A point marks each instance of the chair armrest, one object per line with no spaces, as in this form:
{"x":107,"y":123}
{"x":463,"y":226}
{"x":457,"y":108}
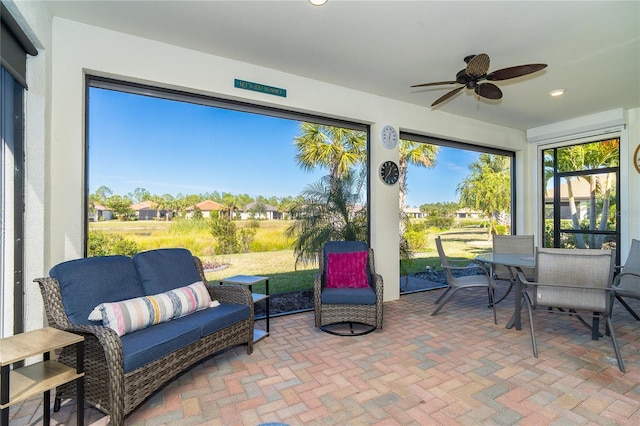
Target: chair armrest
{"x":479,"y":265}
{"x":521,"y":278}
{"x":524,"y":281}
{"x":98,"y":339}
{"x":616,"y":280}
{"x":230,"y":293}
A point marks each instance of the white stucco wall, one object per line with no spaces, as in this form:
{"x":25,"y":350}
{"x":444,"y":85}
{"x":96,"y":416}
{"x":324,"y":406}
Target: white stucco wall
{"x":83,"y":49}
{"x":76,"y":49}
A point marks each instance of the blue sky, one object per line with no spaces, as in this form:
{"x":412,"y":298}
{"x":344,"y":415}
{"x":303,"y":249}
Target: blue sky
{"x":169,"y":147}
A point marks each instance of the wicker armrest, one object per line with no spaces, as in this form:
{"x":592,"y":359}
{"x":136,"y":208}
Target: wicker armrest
{"x":57,"y":316}
{"x":229,"y":293}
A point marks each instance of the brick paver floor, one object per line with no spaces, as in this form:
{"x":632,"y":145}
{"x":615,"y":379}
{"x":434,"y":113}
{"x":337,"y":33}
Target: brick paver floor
{"x":455,"y":368}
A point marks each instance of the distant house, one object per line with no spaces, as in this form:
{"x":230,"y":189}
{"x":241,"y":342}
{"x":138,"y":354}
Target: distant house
{"x":206,"y":207}
{"x":414,"y":213}
{"x":147,"y":211}
{"x":581,"y":195}
{"x":100,"y":212}
{"x":271,"y":213}
{"x":467,"y":213}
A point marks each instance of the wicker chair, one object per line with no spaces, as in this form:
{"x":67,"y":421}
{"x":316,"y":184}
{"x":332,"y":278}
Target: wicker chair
{"x":469,"y":281}
{"x":627,"y":283}
{"x":517,"y":244}
{"x":576,"y":281}
{"x":347,"y":305}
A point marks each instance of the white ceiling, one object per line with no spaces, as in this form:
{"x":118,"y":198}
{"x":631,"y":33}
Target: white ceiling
{"x":383,"y":47}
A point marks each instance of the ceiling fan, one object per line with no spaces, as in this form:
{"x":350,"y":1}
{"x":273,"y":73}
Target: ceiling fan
{"x":476,"y":71}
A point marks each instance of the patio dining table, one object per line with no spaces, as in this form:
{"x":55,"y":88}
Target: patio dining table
{"x":515,"y":262}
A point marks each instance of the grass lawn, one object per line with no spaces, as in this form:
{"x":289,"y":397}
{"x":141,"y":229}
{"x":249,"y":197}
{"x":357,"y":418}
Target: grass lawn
{"x":278,"y":264}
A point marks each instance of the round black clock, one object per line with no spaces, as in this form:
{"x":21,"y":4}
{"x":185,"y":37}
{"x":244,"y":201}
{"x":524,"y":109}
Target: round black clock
{"x":389,"y":172}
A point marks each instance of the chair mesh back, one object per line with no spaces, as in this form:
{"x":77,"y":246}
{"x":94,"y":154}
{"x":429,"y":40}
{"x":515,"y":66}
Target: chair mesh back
{"x":518,"y":244}
{"x":564,"y":267}
{"x":632,"y":265}
{"x":443,"y":259}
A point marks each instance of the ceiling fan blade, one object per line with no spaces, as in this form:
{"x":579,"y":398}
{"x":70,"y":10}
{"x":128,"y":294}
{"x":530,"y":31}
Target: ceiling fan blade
{"x":434,"y":84}
{"x":513,"y":72}
{"x":478,"y":65}
{"x":447,"y":95}
{"x":489,"y":91}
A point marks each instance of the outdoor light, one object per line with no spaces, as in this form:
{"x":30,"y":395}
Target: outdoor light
{"x":557,"y":92}
{"x":318,"y":2}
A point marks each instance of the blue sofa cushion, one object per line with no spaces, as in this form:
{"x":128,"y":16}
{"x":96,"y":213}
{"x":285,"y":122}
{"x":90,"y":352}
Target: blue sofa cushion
{"x":348,"y":296}
{"x":86,"y":283}
{"x":215,"y":319}
{"x":165,"y":269}
{"x":144,"y":346}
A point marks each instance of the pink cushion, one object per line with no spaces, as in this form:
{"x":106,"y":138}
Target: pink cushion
{"x":347,"y":270}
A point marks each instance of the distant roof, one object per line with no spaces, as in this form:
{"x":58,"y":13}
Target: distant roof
{"x":412,"y":210}
{"x":207,"y":206}
{"x":100,"y":207}
{"x":268,"y":207}
{"x":143,"y":205}
{"x":581,"y":188}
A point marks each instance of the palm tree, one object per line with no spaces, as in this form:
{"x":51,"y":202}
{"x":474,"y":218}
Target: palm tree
{"x":416,"y":153}
{"x":336,"y":148}
{"x":330,"y":210}
{"x":487,"y":187}
{"x":590,"y":156}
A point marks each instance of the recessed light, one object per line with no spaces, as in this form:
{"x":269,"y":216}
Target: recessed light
{"x":318,"y":2}
{"x":557,"y":92}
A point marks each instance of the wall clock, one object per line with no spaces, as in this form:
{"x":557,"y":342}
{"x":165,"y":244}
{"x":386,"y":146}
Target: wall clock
{"x":389,"y":137}
{"x":636,"y":159}
{"x":389,"y":172}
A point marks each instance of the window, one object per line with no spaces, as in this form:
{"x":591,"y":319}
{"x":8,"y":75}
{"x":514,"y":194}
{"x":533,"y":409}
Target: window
{"x":581,"y":197}
{"x":227,"y":180}
{"x":452,"y":188}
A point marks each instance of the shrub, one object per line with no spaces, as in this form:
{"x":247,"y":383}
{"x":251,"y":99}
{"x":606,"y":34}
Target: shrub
{"x":246,"y":238}
{"x":439,"y":222}
{"x":224,"y":231}
{"x":500,"y":229}
{"x":101,"y":244}
{"x":417,"y":239}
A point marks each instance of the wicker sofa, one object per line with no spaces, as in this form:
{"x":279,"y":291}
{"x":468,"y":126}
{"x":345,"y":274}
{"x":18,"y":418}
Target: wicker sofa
{"x":123,"y":367}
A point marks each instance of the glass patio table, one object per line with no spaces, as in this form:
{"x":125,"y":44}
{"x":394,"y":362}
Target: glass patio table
{"x":515,"y":262}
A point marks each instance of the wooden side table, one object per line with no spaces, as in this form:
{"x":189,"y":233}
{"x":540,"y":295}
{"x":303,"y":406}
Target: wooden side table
{"x":250,"y":281}
{"x":23,"y":383}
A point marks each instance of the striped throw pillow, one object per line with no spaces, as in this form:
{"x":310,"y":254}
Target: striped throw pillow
{"x":130,"y":315}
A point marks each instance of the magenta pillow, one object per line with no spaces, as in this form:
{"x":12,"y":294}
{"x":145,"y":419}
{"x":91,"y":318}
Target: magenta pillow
{"x":347,"y":270}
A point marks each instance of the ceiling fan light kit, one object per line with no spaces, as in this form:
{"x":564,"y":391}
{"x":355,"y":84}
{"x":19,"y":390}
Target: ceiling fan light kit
{"x":476,"y":71}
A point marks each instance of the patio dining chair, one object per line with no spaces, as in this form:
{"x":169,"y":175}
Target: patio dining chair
{"x":577,"y":281}
{"x":627,"y":283}
{"x":482,"y":280}
{"x":511,"y":244}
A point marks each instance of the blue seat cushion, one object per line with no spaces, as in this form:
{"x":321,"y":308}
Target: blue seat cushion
{"x":144,"y":346}
{"x":348,"y":296}
{"x":165,"y":269}
{"x":214,"y":319}
{"x":86,"y":283}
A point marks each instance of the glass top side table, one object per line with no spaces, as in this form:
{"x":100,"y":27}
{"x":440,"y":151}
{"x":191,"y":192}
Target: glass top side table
{"x":250,"y":281}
